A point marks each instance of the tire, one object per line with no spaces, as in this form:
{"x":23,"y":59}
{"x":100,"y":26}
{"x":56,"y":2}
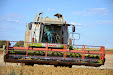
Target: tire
{"x":29,"y":64}
{"x":70,"y":66}
{"x":55,"y":65}
{"x":103,"y":61}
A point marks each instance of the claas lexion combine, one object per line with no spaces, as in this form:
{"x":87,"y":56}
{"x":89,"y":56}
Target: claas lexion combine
{"x":47,"y":41}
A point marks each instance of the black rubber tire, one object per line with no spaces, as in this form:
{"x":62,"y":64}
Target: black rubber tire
{"x":103,"y":61}
{"x":29,"y":64}
{"x":55,"y":65}
{"x":70,"y":66}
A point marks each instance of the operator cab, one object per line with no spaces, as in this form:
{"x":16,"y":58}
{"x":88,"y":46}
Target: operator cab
{"x":47,"y":30}
{"x":52,"y":34}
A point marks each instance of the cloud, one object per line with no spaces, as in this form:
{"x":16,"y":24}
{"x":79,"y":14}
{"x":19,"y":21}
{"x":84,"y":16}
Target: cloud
{"x":11,"y":23}
{"x":0,"y":16}
{"x":70,"y":28}
{"x":51,"y":9}
{"x":112,"y":3}
{"x":99,"y":11}
{"x":78,"y":25}
{"x":7,"y":28}
{"x":12,"y":18}
{"x":109,"y":22}
{"x":75,"y":23}
{"x":93,"y":12}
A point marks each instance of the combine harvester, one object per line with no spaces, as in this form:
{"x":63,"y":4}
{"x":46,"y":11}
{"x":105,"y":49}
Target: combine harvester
{"x":47,"y":41}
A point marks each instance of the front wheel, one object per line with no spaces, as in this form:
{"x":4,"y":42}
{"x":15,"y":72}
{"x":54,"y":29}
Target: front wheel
{"x":29,"y":64}
{"x":70,"y":66}
{"x":55,"y":65}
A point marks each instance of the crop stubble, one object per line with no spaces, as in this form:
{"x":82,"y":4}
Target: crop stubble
{"x":51,"y":70}
{"x":43,"y":70}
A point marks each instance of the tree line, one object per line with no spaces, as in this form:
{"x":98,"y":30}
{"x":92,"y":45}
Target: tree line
{"x":18,"y":44}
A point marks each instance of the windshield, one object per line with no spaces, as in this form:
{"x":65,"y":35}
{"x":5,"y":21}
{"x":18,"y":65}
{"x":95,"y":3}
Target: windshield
{"x":52,"y":34}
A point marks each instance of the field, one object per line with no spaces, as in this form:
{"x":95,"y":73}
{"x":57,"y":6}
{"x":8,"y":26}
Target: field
{"x":14,"y":69}
{"x":43,"y":70}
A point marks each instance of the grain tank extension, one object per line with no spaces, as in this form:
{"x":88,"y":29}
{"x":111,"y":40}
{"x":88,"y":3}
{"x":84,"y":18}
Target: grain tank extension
{"x":47,"y":41}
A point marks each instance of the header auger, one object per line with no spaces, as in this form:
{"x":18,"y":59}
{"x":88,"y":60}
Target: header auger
{"x":47,"y":42}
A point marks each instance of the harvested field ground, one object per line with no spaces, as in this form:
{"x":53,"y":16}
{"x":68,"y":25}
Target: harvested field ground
{"x":13,"y":68}
{"x":42,"y":70}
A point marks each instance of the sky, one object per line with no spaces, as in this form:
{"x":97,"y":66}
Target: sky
{"x":93,"y":19}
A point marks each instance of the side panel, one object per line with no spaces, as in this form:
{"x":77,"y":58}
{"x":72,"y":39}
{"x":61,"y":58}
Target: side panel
{"x":65,"y":34}
{"x":27,"y":37}
{"x":41,"y":32}
{"x":35,"y":33}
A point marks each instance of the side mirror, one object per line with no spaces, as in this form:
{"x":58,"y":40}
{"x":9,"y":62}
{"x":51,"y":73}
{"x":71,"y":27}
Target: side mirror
{"x":73,"y":29}
{"x":29,"y":26}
